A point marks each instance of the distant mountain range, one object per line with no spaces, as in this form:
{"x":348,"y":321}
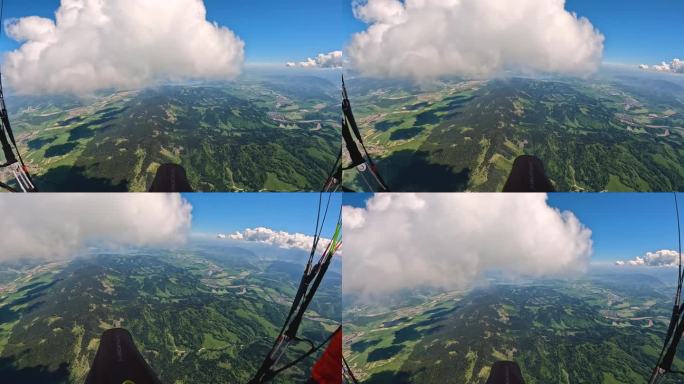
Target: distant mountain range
{"x":206,"y":313}
{"x":612,"y":132}
{"x":605,"y":328}
{"x":264,"y":133}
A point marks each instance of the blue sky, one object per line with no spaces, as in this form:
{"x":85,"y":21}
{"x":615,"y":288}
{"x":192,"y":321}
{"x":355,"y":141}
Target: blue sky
{"x":636,"y":31}
{"x":282,"y":30}
{"x":275,"y":31}
{"x":21,"y":8}
{"x":624,"y":225}
{"x":291,"y":30}
{"x":215,"y":213}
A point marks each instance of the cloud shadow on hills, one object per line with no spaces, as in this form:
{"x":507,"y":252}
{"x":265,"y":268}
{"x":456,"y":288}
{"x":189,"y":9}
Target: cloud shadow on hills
{"x":39,"y":143}
{"x":384,"y":353}
{"x":406,"y":133}
{"x":74,"y":179}
{"x":38,"y":374}
{"x":412,"y":171}
{"x":389,"y":377}
{"x":60,"y":149}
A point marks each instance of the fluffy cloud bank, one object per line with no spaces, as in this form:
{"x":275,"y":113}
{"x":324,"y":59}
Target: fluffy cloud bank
{"x":675,"y":66}
{"x":95,"y":44}
{"x":323,"y":60}
{"x":662,"y":258}
{"x":56,"y":226}
{"x":424,"y":39}
{"x":401,"y":241}
{"x":277,"y":238}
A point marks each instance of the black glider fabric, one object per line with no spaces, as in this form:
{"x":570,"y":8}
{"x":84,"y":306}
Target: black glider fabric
{"x":354,"y":153}
{"x":505,"y":372}
{"x":171,"y":178}
{"x":528,"y":175}
{"x":118,"y":361}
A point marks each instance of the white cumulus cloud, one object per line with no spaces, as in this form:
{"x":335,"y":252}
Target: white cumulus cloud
{"x":58,"y":226}
{"x":675,"y":66}
{"x":401,"y":241}
{"x":95,"y":44}
{"x":662,"y":258}
{"x":425,"y":39}
{"x":323,"y":60}
{"x":280,"y":239}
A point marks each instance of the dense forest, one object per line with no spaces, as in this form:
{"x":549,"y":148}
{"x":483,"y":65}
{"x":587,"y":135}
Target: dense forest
{"x":607,"y":329}
{"x":617,"y":134}
{"x":269,"y":134}
{"x":205,"y":315}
